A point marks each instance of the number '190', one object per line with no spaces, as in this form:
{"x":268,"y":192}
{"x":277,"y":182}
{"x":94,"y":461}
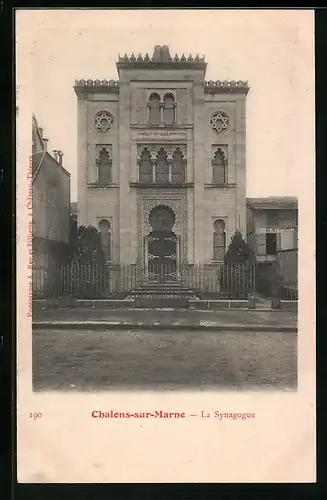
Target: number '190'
{"x":35,"y":415}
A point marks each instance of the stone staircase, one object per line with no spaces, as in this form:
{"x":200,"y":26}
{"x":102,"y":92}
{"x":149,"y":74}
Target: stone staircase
{"x":164,"y":291}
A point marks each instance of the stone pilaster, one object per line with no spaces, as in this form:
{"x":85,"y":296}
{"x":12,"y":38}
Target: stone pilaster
{"x":240,"y":164}
{"x":198,"y":173}
{"x":92,"y":164}
{"x":82,"y":161}
{"x":126,"y":232}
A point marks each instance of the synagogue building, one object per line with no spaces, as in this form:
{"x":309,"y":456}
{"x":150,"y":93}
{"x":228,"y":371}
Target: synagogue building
{"x":162,"y":162}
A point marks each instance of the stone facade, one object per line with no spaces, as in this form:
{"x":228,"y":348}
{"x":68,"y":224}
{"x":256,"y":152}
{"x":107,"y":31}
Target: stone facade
{"x":162,"y":108}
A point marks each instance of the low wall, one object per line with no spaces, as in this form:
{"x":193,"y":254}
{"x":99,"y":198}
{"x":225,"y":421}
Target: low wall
{"x":289,"y":305}
{"x":68,"y":302}
{"x":221,"y":304}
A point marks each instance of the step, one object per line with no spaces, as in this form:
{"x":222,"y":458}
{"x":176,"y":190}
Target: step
{"x":145,"y":293}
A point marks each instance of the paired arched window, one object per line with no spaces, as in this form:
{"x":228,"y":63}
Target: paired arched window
{"x":162,"y":168}
{"x":104,"y":164}
{"x":219,"y":240}
{"x":219,"y":164}
{"x":162,"y":112}
{"x":178,"y":168}
{"x":105,"y":232}
{"x":145,"y":167}
{"x":169,"y":109}
{"x":154,"y":109}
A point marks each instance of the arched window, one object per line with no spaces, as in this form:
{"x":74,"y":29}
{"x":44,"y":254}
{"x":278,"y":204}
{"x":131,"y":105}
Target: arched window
{"x":145,"y":167}
{"x":219,"y":240}
{"x":154,"y":109}
{"x":178,"y":168}
{"x":162,"y":167}
{"x":219,"y":167}
{"x":104,"y":228}
{"x":104,"y":165}
{"x":169,"y":109}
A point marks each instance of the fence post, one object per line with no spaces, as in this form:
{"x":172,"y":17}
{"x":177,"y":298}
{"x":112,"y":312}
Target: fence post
{"x":251,"y":296}
{"x":275,"y":301}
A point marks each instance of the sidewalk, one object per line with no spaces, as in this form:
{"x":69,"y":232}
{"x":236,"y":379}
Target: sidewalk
{"x":255,"y":320}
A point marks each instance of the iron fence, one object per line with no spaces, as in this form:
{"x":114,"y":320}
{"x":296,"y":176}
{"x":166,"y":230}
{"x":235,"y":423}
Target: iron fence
{"x":272,"y":281}
{"x":96,"y":280}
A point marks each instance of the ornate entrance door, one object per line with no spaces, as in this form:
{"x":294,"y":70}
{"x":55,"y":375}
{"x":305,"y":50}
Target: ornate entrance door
{"x":162,"y":256}
{"x":162,"y":246}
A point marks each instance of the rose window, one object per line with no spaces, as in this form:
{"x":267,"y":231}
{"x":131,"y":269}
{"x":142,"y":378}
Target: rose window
{"x":219,"y":121}
{"x":103,"y":121}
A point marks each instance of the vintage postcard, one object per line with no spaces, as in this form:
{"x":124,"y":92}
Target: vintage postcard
{"x":165,"y":246}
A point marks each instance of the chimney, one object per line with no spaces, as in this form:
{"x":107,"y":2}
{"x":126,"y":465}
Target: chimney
{"x":60,"y":155}
{"x":45,"y":144}
{"x":55,"y":154}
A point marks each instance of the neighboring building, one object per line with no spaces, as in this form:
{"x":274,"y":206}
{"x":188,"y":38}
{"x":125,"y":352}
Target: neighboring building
{"x":272,"y":234}
{"x":162,"y":157}
{"x":272,"y":226}
{"x":51,"y":205}
{"x":73,"y":210}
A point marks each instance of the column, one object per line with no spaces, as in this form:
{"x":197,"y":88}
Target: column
{"x":170,"y":166}
{"x":161,"y":112}
{"x":153,"y":171}
{"x":177,"y":257}
{"x":138,"y":171}
{"x":146,"y":256}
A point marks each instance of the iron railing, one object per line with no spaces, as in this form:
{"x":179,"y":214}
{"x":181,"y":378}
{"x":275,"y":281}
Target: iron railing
{"x":96,"y":280}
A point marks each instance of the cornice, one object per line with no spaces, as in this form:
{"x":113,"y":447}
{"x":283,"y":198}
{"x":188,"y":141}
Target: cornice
{"x":153,"y":185}
{"x":98,"y":185}
{"x":91,"y":86}
{"x":210,"y":87}
{"x":149,"y":126}
{"x":160,"y":60}
{"x":220,"y":186}
{"x":171,"y":65}
{"x":221,"y":87}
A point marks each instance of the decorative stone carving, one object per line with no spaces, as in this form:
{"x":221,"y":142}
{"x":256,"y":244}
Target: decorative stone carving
{"x":219,"y":121}
{"x":141,"y":110}
{"x":155,"y":148}
{"x":103,"y":121}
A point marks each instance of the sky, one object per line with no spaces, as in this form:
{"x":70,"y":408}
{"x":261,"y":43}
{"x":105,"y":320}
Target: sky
{"x":272,"y":50}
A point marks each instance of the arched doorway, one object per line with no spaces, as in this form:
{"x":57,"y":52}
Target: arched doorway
{"x":162,"y":245}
